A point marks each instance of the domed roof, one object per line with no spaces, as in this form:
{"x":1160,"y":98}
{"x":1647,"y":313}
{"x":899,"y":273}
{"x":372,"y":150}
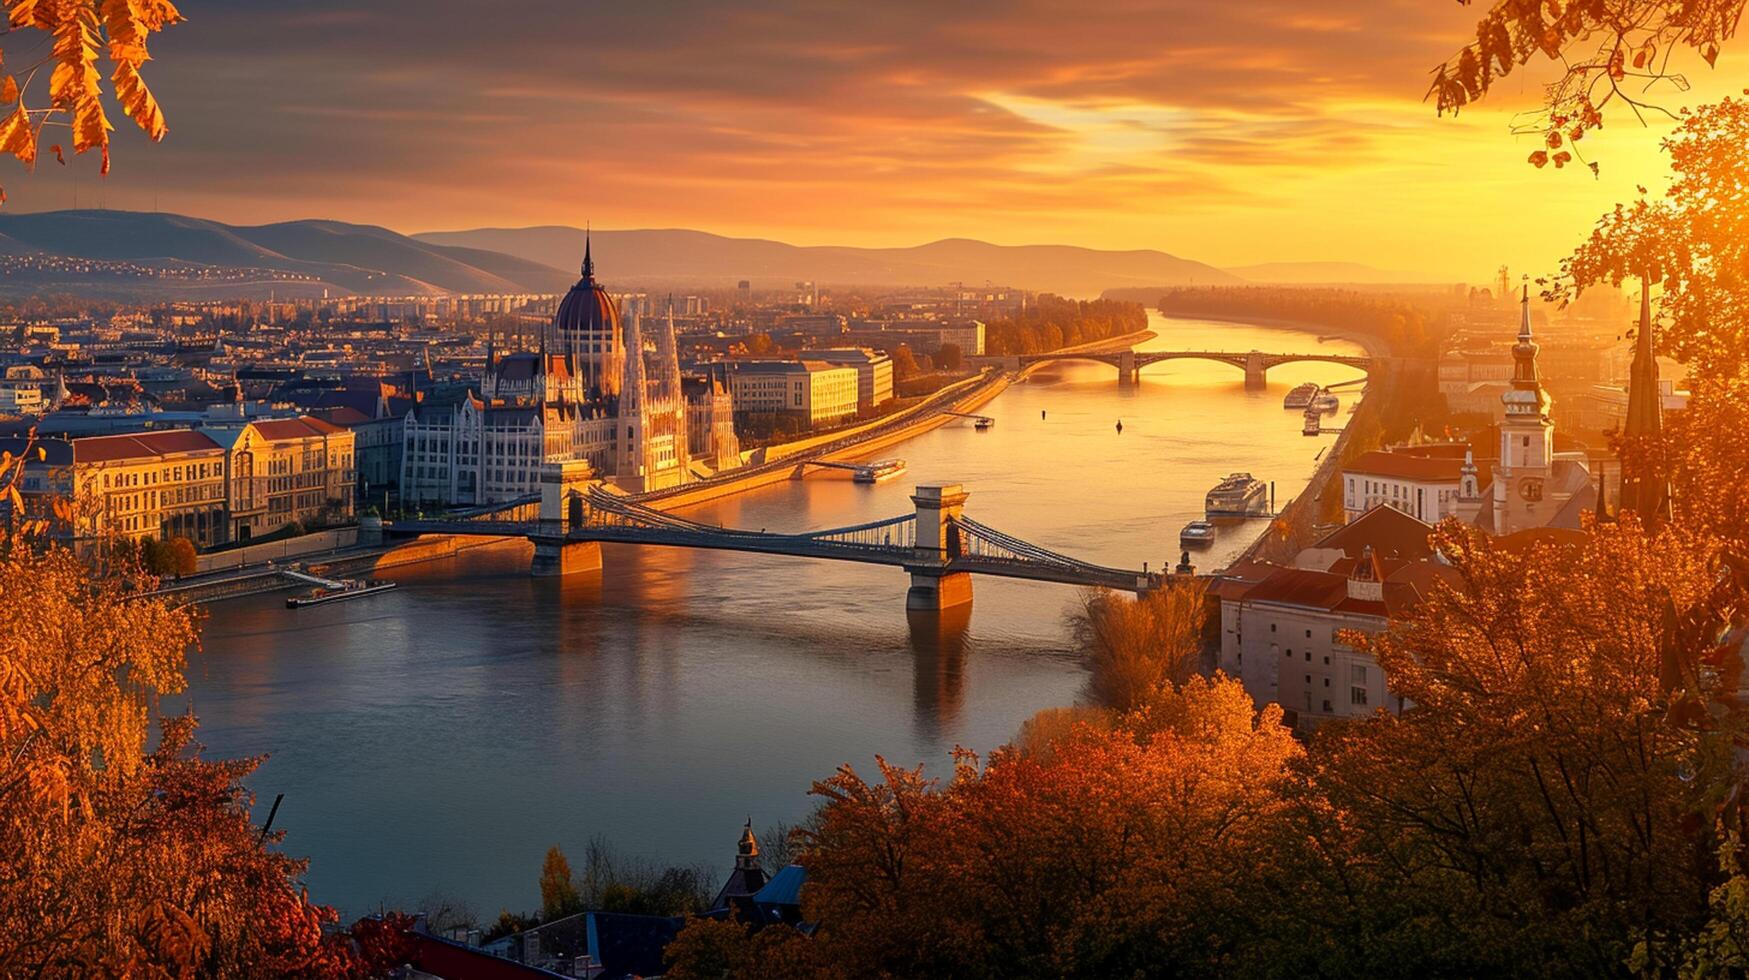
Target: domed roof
{"x":586,"y":310}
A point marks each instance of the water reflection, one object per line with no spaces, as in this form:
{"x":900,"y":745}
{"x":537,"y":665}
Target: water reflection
{"x":939,"y":640}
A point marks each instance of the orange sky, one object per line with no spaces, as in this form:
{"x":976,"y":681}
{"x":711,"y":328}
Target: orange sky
{"x":1269,"y":130}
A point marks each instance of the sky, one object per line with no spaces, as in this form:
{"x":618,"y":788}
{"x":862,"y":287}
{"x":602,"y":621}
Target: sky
{"x":1225,"y":131}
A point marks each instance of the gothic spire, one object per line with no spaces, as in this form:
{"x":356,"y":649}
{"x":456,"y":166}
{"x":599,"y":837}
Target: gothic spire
{"x":1644,"y":490}
{"x":588,"y":263}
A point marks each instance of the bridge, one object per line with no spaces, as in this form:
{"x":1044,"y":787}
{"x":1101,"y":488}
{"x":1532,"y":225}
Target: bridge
{"x":937,"y":545}
{"x":1255,"y":364}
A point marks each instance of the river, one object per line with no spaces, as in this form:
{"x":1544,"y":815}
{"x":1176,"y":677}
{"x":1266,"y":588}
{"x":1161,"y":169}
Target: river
{"x":439,"y":738}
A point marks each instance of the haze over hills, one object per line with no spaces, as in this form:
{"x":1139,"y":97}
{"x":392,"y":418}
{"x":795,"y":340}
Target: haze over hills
{"x":141,"y":255}
{"x":314,"y":254}
{"x":1326,"y":273}
{"x":695,"y":256}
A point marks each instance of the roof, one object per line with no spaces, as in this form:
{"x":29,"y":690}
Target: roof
{"x":784,"y":888}
{"x":344,"y":416}
{"x":1386,"y":530}
{"x":630,"y":945}
{"x":140,"y":445}
{"x":1407,"y":466}
{"x":55,"y":452}
{"x":303,"y":427}
{"x":1328,"y":592}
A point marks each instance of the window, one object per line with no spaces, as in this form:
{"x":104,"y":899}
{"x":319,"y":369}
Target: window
{"x":1359,"y":674}
{"x":1308,"y":634}
{"x":1357,"y":695}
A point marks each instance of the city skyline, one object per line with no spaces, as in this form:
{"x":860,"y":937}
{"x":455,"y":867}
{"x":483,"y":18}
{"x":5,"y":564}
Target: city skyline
{"x":1242,"y":135}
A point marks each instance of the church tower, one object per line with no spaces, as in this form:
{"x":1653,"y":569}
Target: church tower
{"x":1527,"y":440}
{"x":1644,"y":488}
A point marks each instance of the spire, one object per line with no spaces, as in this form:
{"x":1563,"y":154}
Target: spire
{"x":1525,"y":399}
{"x":1644,"y":490}
{"x":1524,"y":316}
{"x":747,"y":851}
{"x":588,"y":262}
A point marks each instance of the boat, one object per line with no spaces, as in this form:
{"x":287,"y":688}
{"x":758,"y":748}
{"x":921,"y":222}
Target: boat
{"x":984,"y":424}
{"x":1301,"y":396}
{"x":350,"y":588}
{"x":1239,"y":495}
{"x":1326,"y":401}
{"x":1197,"y":534}
{"x":885,"y":469}
{"x":1314,"y":424}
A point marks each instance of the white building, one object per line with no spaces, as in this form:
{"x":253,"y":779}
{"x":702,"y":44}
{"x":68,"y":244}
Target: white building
{"x":813,"y":391}
{"x":1428,"y":483}
{"x":874,"y":373}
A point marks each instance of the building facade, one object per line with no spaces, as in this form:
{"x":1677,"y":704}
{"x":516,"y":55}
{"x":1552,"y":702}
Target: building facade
{"x":874,"y":373}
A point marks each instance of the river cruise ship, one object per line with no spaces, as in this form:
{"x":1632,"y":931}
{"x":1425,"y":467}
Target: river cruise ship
{"x":1239,"y":495}
{"x":1301,"y":396}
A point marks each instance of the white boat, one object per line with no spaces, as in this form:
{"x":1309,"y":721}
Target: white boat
{"x":885,"y":469}
{"x":984,"y":424}
{"x":1301,"y":396}
{"x":1326,"y":401}
{"x":1197,"y":534}
{"x":349,"y":589}
{"x":1239,"y":495}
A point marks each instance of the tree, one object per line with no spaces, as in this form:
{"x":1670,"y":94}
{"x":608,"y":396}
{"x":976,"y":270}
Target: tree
{"x":118,"y":860}
{"x":904,"y":363}
{"x":558,"y":893}
{"x":1539,"y":799}
{"x":1137,"y":648}
{"x":1610,"y":51}
{"x":948,"y":358}
{"x":79,"y":32}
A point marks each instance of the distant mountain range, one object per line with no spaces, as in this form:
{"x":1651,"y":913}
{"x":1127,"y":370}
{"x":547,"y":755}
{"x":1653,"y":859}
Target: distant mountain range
{"x":678,"y":255}
{"x":140,"y":255}
{"x":315,"y":255}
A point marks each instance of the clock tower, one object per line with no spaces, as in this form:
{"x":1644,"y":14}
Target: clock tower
{"x":1527,"y":441}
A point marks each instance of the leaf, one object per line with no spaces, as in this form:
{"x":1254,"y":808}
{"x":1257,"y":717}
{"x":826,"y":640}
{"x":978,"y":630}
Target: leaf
{"x":1540,"y":159}
{"x":8,"y":90}
{"x":17,"y":138}
{"x":55,"y":148}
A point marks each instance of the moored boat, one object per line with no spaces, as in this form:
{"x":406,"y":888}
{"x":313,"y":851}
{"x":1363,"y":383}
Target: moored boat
{"x":349,"y":589}
{"x":1197,"y":534}
{"x":876,"y":472}
{"x":1239,"y":495}
{"x":1326,"y":401}
{"x":1301,"y":396}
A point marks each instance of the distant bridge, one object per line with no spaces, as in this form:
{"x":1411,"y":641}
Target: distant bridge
{"x":1255,"y":364}
{"x":937,"y":544}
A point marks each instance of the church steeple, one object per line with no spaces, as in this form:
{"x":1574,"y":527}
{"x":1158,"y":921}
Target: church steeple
{"x":1644,"y":490}
{"x":747,"y":851}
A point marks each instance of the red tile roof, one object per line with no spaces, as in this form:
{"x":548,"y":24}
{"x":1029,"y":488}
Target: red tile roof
{"x":1386,"y":530}
{"x":140,"y":445}
{"x":299,"y":428}
{"x":1403,"y":466}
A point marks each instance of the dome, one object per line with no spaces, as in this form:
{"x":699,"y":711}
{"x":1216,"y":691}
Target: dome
{"x":587,"y":327}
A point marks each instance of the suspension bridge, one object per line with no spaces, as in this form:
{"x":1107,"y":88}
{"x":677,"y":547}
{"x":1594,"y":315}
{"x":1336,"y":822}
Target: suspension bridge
{"x":1255,"y":363}
{"x":936,"y":544}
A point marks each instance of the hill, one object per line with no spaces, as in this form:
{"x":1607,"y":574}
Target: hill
{"x":312,"y":255}
{"x":695,"y":256}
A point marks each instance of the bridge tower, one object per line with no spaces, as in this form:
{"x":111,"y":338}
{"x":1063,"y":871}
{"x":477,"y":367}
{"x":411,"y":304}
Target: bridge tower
{"x":1256,"y":374}
{"x":563,"y":507}
{"x":933,"y":586}
{"x":1128,"y":374}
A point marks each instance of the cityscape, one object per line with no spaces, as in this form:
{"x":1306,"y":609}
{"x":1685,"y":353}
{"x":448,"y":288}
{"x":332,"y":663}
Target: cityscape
{"x":838,"y":494}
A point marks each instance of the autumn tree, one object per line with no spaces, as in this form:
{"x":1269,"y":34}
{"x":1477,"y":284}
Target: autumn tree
{"x":1611,"y":54}
{"x":1138,"y":647}
{"x":558,"y":893}
{"x":1536,"y":803}
{"x":117,"y":860}
{"x":78,"y":35}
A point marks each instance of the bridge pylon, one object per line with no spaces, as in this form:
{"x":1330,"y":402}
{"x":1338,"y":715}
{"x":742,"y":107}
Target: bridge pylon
{"x":1128,"y":373}
{"x":563,"y":506}
{"x":933,"y":587}
{"x":1256,"y":374}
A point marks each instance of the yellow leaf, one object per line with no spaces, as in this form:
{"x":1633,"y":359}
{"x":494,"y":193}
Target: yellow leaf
{"x":8,"y":90}
{"x":17,"y":138}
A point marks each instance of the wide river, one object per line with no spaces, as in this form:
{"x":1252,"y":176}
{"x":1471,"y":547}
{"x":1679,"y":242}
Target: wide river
{"x":441,"y":737}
